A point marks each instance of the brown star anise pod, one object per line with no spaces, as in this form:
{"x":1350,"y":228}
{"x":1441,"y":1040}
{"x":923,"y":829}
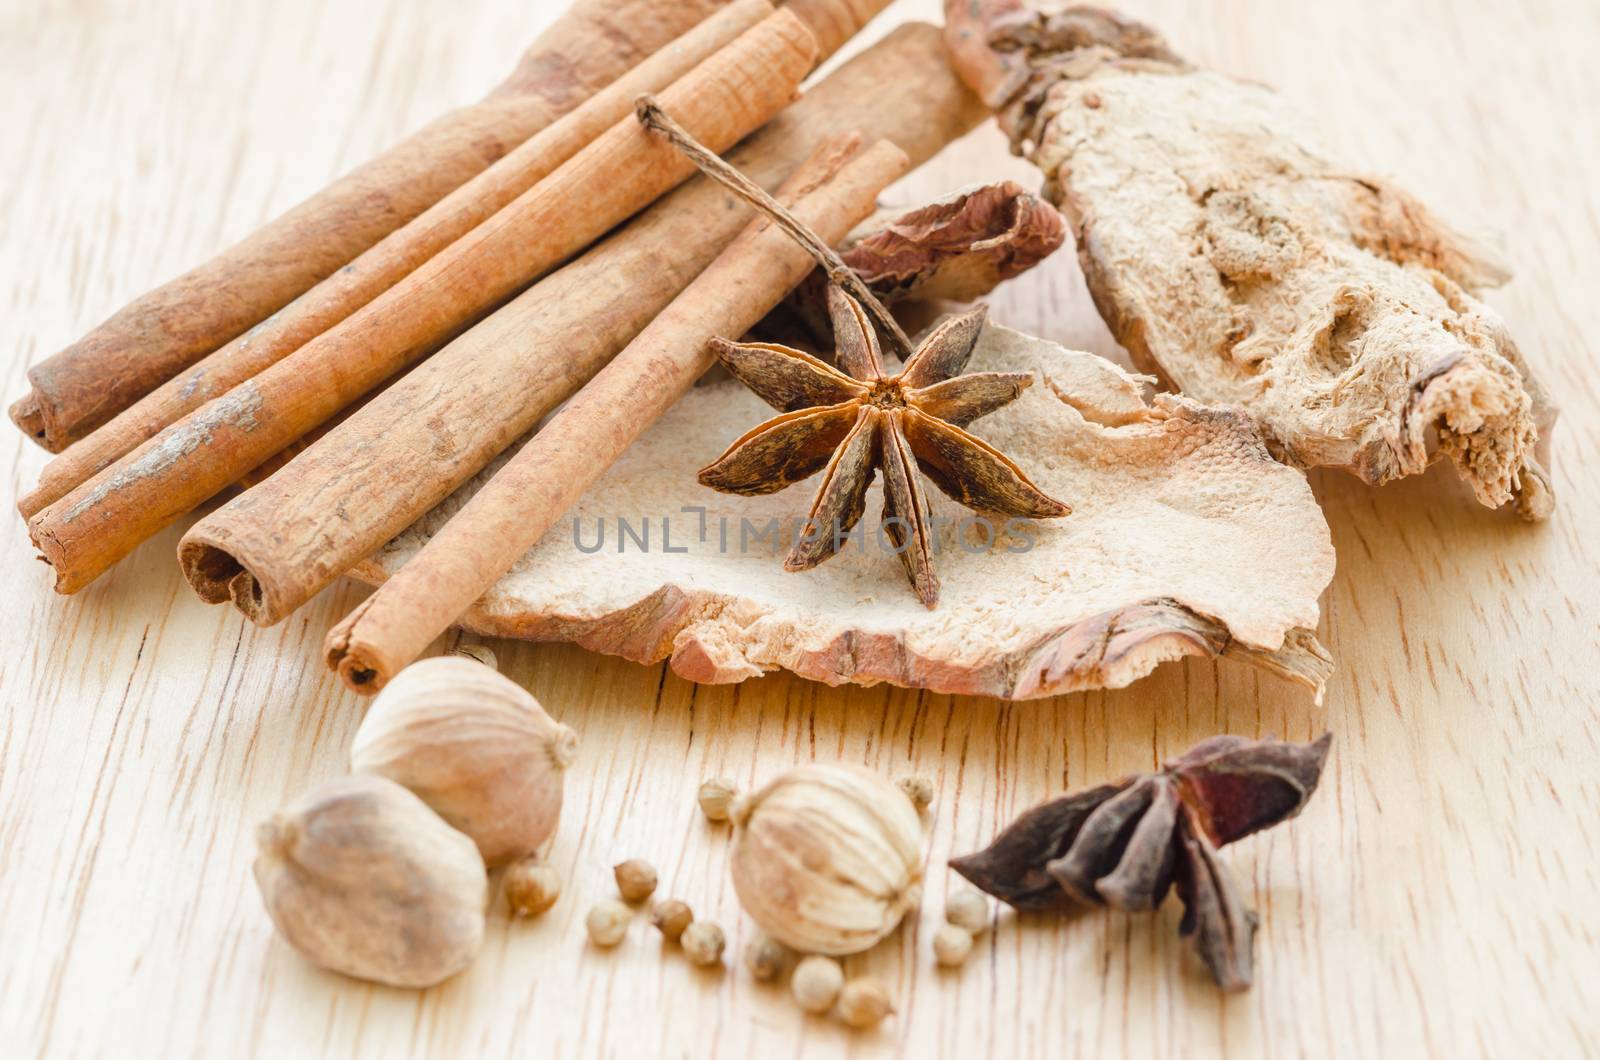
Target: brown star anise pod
{"x":1127,"y":844}
{"x":850,"y":425}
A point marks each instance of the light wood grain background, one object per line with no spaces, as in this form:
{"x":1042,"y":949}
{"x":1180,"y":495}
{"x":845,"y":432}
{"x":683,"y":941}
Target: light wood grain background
{"x":1437,"y":897}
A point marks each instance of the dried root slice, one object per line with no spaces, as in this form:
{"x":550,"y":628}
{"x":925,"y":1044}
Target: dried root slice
{"x":1186,"y":538}
{"x":1234,"y":257}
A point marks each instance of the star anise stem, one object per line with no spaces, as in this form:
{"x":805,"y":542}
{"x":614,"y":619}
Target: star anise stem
{"x":658,"y":121}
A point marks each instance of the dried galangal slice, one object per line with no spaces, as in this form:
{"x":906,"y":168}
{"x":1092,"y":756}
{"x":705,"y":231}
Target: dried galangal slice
{"x":1237,"y":260}
{"x":1186,"y":538}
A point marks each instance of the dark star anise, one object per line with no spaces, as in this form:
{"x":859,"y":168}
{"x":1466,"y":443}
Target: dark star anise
{"x":850,"y":425}
{"x":1127,"y":844}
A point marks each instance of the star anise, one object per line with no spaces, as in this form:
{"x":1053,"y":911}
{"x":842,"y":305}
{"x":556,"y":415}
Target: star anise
{"x":1127,"y":844}
{"x":850,"y":425}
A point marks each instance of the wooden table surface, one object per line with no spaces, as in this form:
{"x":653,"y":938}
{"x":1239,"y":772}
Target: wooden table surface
{"x":1438,"y":896}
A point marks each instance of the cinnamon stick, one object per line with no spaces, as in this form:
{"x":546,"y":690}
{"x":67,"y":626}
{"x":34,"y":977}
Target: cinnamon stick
{"x":389,"y":261}
{"x":536,"y":487}
{"x":172,"y":326}
{"x":274,"y":547}
{"x":725,"y":97}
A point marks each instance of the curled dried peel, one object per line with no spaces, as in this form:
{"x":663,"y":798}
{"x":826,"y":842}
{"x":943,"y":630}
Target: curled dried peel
{"x":1232,"y":256}
{"x":1187,"y":538}
{"x":958,"y":249}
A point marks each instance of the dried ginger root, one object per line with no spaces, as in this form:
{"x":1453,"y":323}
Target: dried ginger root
{"x":1236,"y":260}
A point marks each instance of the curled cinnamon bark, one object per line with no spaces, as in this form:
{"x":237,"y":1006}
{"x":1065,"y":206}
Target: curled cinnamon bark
{"x":389,"y":261}
{"x":169,"y":328}
{"x":1238,"y":260}
{"x":273,"y":548}
{"x":727,"y":96}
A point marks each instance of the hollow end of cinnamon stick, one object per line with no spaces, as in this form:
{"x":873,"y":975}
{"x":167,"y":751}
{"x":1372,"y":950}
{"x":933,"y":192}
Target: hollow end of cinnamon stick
{"x":52,"y":555}
{"x":29,"y":418}
{"x":360,"y":678}
{"x":217,"y":577}
{"x":361,"y":670}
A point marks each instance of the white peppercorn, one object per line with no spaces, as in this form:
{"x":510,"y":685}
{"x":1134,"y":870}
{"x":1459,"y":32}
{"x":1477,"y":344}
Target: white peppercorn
{"x":607,"y":922}
{"x":703,"y":943}
{"x":919,"y":790}
{"x":816,"y":983}
{"x":968,"y":910}
{"x":766,"y":958}
{"x":531,"y":887}
{"x":951,"y":945}
{"x":864,"y":1003}
{"x":671,"y":917}
{"x":636,"y":879}
{"x":716,"y":797}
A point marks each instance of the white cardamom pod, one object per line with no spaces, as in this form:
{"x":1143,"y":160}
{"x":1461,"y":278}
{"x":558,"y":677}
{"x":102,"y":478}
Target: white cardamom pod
{"x":827,"y":858}
{"x":362,"y":878}
{"x":473,"y":745}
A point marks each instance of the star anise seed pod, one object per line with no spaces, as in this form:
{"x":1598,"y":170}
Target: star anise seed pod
{"x":1127,"y":844}
{"x":850,"y":423}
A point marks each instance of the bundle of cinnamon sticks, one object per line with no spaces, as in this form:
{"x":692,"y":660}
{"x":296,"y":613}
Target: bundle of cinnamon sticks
{"x":405,"y":325}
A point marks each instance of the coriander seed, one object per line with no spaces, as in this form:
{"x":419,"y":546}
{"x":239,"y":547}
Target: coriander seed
{"x":671,"y":917}
{"x":703,"y":943}
{"x":951,"y":945}
{"x":607,"y":922}
{"x":716,"y":797}
{"x":816,"y":983}
{"x":864,"y":1003}
{"x":531,"y":887}
{"x":919,"y":790}
{"x":636,"y":879}
{"x":968,"y":910}
{"x":766,"y":958}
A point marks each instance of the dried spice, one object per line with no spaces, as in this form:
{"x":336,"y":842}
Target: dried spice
{"x":1238,"y":258}
{"x":967,"y":910}
{"x":531,"y":887}
{"x":850,"y":423}
{"x":956,"y":249}
{"x":474,"y":746}
{"x":1146,"y":569}
{"x":607,"y":922}
{"x":1127,"y":844}
{"x":703,"y":943}
{"x":952,"y":944}
{"x":816,"y":983}
{"x":767,"y":958}
{"x":671,"y":917}
{"x":864,"y":1003}
{"x":636,"y":879}
{"x":716,"y":798}
{"x":827,"y":858}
